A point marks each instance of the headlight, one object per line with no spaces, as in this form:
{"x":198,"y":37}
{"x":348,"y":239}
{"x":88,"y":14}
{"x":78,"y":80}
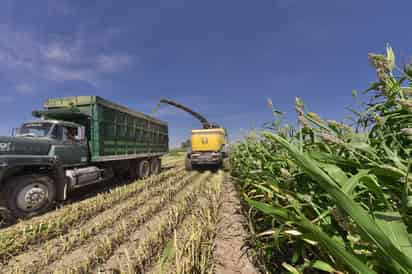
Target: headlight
{"x":4,"y":163}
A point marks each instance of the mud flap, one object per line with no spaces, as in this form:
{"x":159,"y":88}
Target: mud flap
{"x":61,"y":191}
{"x":61,"y":183}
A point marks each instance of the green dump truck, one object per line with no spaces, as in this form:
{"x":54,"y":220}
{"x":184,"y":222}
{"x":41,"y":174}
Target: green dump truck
{"x":74,"y":142}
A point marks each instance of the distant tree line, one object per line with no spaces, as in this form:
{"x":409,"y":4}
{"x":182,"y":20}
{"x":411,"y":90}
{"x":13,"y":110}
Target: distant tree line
{"x":186,"y":144}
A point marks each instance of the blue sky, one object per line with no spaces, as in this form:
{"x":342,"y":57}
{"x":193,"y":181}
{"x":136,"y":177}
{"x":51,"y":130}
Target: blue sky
{"x":223,"y":58}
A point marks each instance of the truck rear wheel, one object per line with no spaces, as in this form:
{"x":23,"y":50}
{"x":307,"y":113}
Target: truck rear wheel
{"x":30,"y":195}
{"x":155,"y":166}
{"x":144,"y":169}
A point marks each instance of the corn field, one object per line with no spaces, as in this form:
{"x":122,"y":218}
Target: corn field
{"x":325,"y":196}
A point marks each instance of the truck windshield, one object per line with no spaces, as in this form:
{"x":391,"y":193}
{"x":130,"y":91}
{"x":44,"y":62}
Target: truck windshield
{"x":35,"y":130}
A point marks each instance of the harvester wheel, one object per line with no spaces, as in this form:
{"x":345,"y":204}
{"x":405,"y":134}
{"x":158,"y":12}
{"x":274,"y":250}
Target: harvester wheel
{"x":188,"y":165}
{"x":226,"y":164}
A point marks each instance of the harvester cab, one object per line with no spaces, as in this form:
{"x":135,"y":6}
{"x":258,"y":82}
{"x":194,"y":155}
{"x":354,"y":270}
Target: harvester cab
{"x":209,"y":145}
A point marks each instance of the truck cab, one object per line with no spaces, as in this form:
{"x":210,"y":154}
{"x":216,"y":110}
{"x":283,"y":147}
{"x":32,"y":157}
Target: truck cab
{"x":69,"y":143}
{"x":67,"y":140}
{"x":30,"y":162}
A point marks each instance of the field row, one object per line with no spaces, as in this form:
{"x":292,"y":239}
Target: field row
{"x":167,"y":222}
{"x":17,"y":238}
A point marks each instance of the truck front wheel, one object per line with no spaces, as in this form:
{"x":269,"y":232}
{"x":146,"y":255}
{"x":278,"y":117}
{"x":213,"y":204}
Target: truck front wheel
{"x":30,"y":195}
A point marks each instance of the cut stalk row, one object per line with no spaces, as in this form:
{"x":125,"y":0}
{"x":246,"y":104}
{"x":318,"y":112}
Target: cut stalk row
{"x":105,"y":246}
{"x":16,"y":239}
{"x":194,"y":253}
{"x":191,"y":250}
{"x":142,"y":258}
{"x":57,"y":247}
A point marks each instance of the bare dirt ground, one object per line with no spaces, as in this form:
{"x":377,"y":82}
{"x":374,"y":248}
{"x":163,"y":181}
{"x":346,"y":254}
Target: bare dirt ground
{"x":230,"y":254}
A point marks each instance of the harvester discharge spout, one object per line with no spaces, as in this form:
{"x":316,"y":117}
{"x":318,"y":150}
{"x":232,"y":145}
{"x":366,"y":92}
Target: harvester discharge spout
{"x":205,"y":123}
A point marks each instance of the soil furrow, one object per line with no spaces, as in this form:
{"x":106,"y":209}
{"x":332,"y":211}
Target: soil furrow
{"x":230,"y":257}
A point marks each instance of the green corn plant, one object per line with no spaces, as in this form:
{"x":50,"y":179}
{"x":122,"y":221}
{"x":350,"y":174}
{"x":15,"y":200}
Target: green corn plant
{"x":332,"y":195}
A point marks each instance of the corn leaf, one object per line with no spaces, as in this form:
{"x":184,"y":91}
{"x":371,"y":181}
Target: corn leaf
{"x":365,"y":222}
{"x":393,"y":225}
{"x":290,"y":268}
{"x":323,"y":266}
{"x":388,"y":171}
{"x":338,"y":175}
{"x":268,"y":209}
{"x":335,"y":247}
{"x":353,"y":181}
{"x":373,"y":186}
{"x":332,"y":159}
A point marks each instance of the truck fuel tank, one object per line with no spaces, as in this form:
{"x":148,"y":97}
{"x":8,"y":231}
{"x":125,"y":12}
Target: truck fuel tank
{"x":83,"y":176}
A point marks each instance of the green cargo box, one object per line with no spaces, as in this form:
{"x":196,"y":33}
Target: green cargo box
{"x":116,"y":132}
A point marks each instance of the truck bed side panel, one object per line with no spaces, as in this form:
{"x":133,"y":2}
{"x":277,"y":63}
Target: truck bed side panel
{"x":118,"y":132}
{"x":123,"y":134}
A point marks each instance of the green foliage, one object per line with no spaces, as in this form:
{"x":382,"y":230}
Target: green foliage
{"x":186,"y":144}
{"x":330,"y":197}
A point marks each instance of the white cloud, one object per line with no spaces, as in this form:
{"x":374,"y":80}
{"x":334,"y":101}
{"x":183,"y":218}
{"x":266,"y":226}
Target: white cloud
{"x":28,"y":56}
{"x":113,"y":63}
{"x":62,"y":74}
{"x":24,"y":89}
{"x":57,"y":52}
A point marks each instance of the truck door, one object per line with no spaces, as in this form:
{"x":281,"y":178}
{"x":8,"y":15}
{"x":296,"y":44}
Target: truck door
{"x":73,"y":148}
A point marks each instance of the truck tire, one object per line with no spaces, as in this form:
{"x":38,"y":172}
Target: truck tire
{"x":30,"y":195}
{"x":144,"y":169}
{"x":188,"y":165}
{"x":155,"y":166}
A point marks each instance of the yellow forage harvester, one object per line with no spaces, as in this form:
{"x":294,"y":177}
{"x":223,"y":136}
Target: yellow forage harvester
{"x":209,"y":145}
